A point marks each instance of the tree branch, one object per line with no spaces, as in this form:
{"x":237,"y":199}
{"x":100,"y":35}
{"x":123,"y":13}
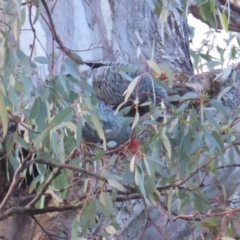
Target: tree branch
{"x":14,"y":183}
{"x":34,"y":211}
{"x":234,"y":24}
{"x":57,"y":38}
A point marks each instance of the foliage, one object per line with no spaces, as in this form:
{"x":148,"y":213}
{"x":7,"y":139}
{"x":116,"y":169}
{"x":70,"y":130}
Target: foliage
{"x":179,"y":152}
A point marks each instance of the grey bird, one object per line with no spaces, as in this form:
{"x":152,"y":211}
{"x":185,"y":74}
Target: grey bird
{"x":113,"y":126}
{"x":111,"y":79}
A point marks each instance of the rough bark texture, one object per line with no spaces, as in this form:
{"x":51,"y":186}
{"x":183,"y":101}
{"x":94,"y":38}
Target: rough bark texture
{"x":116,"y":31}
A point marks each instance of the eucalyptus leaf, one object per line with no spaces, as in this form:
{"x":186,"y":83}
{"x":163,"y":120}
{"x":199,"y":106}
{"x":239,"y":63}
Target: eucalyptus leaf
{"x":153,"y":65}
{"x":42,"y":60}
{"x":71,"y":68}
{"x":74,"y":230}
{"x":25,"y":62}
{"x":62,"y":116}
{"x":130,"y":89}
{"x":4,"y":115}
{"x":117,"y":185}
{"x":111,"y":230}
{"x":140,"y":181}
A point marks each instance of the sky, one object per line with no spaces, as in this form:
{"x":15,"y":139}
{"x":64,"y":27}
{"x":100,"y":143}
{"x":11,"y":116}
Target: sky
{"x":213,"y":38}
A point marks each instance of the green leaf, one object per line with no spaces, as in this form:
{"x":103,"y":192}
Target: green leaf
{"x":71,"y":68}
{"x":212,"y":5}
{"x":162,"y":84}
{"x":227,"y":238}
{"x":26,"y":84}
{"x":61,"y":116}
{"x":219,"y":107}
{"x":74,"y":231}
{"x":125,"y":76}
{"x":167,"y":145}
{"x":41,"y":138}
{"x":130,"y":88}
{"x":227,"y":72}
{"x":18,"y":5}
{"x":223,"y":19}
{"x":111,"y":230}
{"x":223,"y":92}
{"x":174,"y":98}
{"x":147,"y":166}
{"x":106,"y":205}
{"x":141,"y":184}
{"x":76,"y":58}
{"x":88,"y":216}
{"x":117,"y":185}
{"x":38,"y":7}
{"x":132,"y":163}
{"x":113,"y":176}
{"x":35,"y":109}
{"x":41,"y":202}
{"x":41,"y":168}
{"x":53,"y":141}
{"x":16,"y":28}
{"x":127,"y":69}
{"x":166,"y":69}
{"x":42,"y":60}
{"x":61,"y":149}
{"x":213,"y":64}
{"x":63,"y":79}
{"x":112,"y":144}
{"x":189,"y":95}
{"x":218,"y":139}
{"x":210,"y":221}
{"x":21,"y":142}
{"x":25,"y":62}
{"x":4,"y":115}
{"x":61,"y":182}
{"x":153,"y":65}
{"x":150,"y":185}
{"x":209,"y":136}
{"x":43,"y":116}
{"x":99,"y":129}
{"x":71,"y":126}
{"x":79,"y":132}
{"x":158,"y":7}
{"x":136,"y":119}
{"x":169,"y":200}
{"x":205,"y":10}
{"x":34,"y":183}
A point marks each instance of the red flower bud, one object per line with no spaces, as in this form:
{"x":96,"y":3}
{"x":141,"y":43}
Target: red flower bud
{"x":134,"y":145}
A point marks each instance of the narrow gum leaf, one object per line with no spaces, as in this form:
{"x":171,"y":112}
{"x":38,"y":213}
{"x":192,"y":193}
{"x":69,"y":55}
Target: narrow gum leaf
{"x":130,"y":88}
{"x":4,"y":115}
{"x":132,"y":163}
{"x":167,"y":145}
{"x":99,"y":130}
{"x":153,"y":65}
{"x":137,"y":116}
{"x":116,"y":185}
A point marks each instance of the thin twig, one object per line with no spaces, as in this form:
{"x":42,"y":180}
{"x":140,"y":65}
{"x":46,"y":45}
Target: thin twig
{"x":14,"y":183}
{"x":41,"y":227}
{"x":24,"y":211}
{"x":56,"y":37}
{"x":33,"y":30}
